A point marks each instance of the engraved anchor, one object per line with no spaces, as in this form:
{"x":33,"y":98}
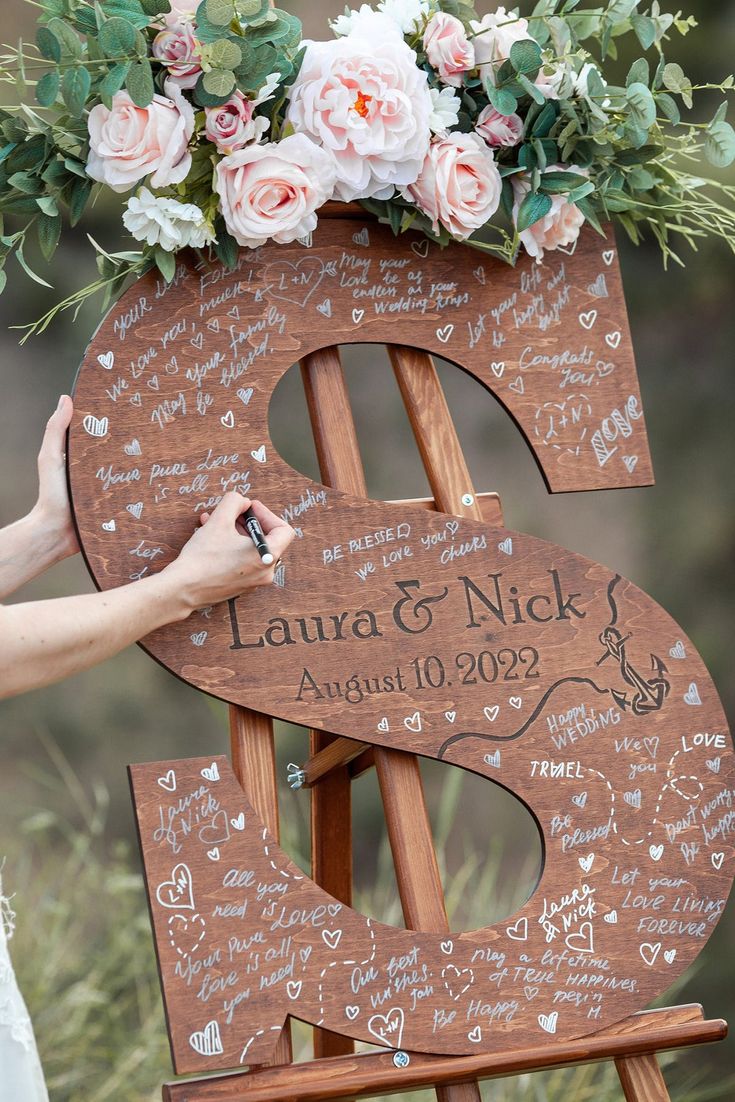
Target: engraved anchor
{"x":650,"y":694}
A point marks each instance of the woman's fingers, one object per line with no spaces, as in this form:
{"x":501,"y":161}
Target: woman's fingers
{"x":52,"y":448}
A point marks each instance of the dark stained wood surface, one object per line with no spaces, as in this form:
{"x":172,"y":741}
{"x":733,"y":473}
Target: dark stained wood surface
{"x":370,"y":1075}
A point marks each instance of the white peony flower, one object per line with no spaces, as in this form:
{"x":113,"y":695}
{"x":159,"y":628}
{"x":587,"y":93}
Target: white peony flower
{"x":363,"y":98}
{"x":344,"y":23}
{"x":445,"y":105}
{"x":581,"y":82}
{"x":266,"y":92}
{"x":408,"y":14}
{"x":158,"y":220}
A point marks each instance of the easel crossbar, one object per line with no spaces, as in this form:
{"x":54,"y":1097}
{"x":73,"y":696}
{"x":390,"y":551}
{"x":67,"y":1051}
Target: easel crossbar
{"x":367,"y":1075}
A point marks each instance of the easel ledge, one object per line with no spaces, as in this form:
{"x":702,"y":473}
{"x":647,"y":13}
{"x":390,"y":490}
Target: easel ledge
{"x":366,"y":1075}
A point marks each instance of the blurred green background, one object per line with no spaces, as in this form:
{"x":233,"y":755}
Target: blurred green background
{"x":83,"y":949}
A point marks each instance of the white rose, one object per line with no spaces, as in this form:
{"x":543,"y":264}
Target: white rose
{"x":364,"y":98}
{"x":495,"y":34}
{"x":554,"y":80}
{"x":158,"y":220}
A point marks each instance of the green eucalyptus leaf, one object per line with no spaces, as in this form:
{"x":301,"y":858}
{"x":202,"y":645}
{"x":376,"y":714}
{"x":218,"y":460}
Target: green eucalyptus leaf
{"x":3,"y":280}
{"x":49,"y":232}
{"x":67,"y":38}
{"x":132,"y":10}
{"x":114,"y":81}
{"x":642,"y":106}
{"x":531,"y":89}
{"x":645,"y":29}
{"x":254,"y":12}
{"x":559,"y":183}
{"x":139,"y":82}
{"x":154,"y":8}
{"x":669,"y":107}
{"x":75,"y":88}
{"x":219,"y":82}
{"x":620,"y":10}
{"x":117,"y":37}
{"x":219,"y":12}
{"x":504,"y":102}
{"x":719,"y":144}
{"x":525,"y":57}
{"x":640,"y":73}
{"x":225,"y":246}
{"x":533,"y":208}
{"x":676,"y":80}
{"x":77,"y":198}
{"x":166,"y":263}
{"x":225,"y":54}
{"x":27,"y":183}
{"x":48,"y":44}
{"x":47,"y":88}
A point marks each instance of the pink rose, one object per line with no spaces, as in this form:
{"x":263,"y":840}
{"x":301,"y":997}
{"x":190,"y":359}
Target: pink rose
{"x":182,"y":11}
{"x":129,"y":142}
{"x":179,"y":50}
{"x":448,"y":48}
{"x":364,"y":98}
{"x":271,"y":191}
{"x":233,"y":125}
{"x":459,"y":185}
{"x":559,"y":228}
{"x":495,"y":35}
{"x":499,"y":130}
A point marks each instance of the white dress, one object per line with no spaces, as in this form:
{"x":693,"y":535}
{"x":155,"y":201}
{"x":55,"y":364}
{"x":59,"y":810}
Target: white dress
{"x":21,"y":1076}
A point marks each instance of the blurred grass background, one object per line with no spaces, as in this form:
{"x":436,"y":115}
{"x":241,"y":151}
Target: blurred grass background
{"x":83,"y":948}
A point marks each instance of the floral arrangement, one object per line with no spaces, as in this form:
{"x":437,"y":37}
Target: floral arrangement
{"x":222,"y":128}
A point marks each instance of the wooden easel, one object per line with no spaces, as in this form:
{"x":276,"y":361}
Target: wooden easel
{"x":336,"y":1073}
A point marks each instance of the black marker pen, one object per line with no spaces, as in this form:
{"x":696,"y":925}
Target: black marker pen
{"x":252,"y":525}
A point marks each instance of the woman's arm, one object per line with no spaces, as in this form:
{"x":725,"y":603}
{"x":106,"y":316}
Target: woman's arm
{"x":45,"y":641}
{"x":46,"y":535}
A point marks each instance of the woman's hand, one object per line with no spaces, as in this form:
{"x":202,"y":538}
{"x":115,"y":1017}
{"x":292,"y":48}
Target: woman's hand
{"x":52,"y":512}
{"x":220,"y":561}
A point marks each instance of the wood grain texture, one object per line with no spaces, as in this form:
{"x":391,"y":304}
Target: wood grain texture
{"x":642,"y":1079}
{"x":371,"y":1075}
{"x":245,"y":939}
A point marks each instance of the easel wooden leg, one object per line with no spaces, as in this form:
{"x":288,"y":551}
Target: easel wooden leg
{"x":641,"y":1079}
{"x":254,"y":764}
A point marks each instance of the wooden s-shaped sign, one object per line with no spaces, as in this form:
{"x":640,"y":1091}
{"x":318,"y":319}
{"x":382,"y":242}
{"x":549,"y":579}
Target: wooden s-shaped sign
{"x":514,"y":658}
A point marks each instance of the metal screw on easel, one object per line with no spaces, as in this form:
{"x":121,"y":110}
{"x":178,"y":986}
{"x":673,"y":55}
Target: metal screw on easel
{"x":468,"y":499}
{"x":401,"y":1059}
{"x":296,"y":775}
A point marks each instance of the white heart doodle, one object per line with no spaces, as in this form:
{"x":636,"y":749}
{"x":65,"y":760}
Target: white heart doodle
{"x":135,"y":509}
{"x":331,"y":938}
{"x":611,"y":917}
{"x":96,"y":426}
{"x":106,"y":360}
{"x":383,"y":725}
{"x":133,"y":448}
{"x":357,"y":316}
{"x":450,"y":716}
{"x":548,"y":1022}
{"x":517,"y":386}
{"x":649,"y":951}
{"x":213,"y":325}
{"x":515,"y":702}
{"x":588,"y":319}
{"x":211,"y":772}
{"x":178,"y":892}
{"x":213,"y":854}
{"x":678,"y":651}
{"x":506,"y":546}
{"x":238,"y":822}
{"x":714,"y":764}
{"x":362,"y":238}
{"x":581,"y":941}
{"x":293,"y":989}
{"x":717,"y":859}
{"x":608,"y":256}
{"x":692,"y":696}
{"x":109,"y":526}
{"x":614,"y":339}
{"x":633,"y":799}
{"x":670,"y":956}
{"x":168,"y":781}
{"x":493,"y":759}
{"x":580,"y":799}
{"x":352,"y":1012}
{"x":519,"y":932}
{"x":421,"y":248}
{"x":475,"y":1035}
{"x":245,"y":394}
{"x":228,"y":419}
{"x":413,"y":722}
{"x":656,"y":852}
{"x":259,"y":454}
{"x":492,"y":713}
{"x":446,"y":946}
{"x":325,"y":308}
{"x":445,"y":333}
{"x":388,"y":1028}
{"x":497,"y":368}
{"x":457,"y":980}
{"x":479,"y":274}
{"x":208,"y":1041}
{"x":631,"y":462}
{"x":586,"y":863}
{"x":199,"y":638}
